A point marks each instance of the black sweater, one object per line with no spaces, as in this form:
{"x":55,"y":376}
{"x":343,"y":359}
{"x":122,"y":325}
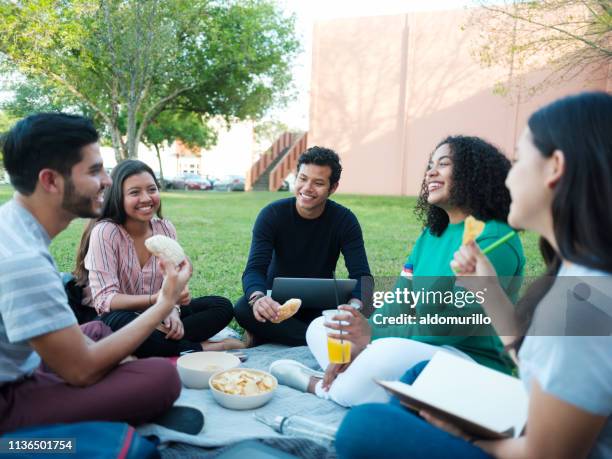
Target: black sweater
{"x":286,"y":245}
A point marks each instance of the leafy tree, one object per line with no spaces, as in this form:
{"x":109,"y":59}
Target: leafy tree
{"x":6,"y":122}
{"x":267,"y":131}
{"x":189,"y":128}
{"x":564,"y":37}
{"x":134,"y":59}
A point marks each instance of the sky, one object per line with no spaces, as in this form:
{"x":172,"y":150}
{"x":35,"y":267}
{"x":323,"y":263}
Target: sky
{"x":307,"y":12}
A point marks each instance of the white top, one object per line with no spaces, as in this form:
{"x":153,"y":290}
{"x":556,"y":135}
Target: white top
{"x":575,"y":369}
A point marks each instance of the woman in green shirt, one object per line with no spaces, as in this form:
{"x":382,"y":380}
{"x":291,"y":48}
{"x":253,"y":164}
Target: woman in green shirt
{"x":465,"y":176}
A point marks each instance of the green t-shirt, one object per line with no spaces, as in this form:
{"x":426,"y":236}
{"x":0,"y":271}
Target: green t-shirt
{"x":430,"y":258}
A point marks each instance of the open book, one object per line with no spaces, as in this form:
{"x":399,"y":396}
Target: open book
{"x":483,"y":402}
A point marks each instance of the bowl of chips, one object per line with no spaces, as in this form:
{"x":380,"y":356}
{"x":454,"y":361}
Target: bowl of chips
{"x":242,"y":388}
{"x":196,"y":368}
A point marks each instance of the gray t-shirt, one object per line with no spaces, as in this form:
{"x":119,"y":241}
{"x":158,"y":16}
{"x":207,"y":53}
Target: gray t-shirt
{"x":575,"y":369}
{"x":32,"y":297}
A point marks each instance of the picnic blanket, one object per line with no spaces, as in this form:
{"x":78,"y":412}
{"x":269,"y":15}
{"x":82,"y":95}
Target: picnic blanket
{"x":300,"y":447}
{"x":223,"y":427}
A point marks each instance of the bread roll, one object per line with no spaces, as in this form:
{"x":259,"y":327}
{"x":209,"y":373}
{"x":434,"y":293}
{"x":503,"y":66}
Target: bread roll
{"x":165,"y":247}
{"x":289,"y":308}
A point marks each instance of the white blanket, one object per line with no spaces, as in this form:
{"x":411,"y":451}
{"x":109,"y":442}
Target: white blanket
{"x":223,"y":426}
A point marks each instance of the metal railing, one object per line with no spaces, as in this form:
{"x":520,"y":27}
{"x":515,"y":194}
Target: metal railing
{"x":288,"y":140}
{"x":288,"y":163}
{"x":259,"y":167}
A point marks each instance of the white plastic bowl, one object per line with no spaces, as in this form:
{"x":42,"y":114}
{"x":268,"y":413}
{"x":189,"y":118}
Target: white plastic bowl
{"x":242,"y":402}
{"x":195,"y":369}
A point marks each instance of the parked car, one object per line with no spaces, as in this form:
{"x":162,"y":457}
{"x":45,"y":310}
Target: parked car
{"x":174,"y":183}
{"x":166,"y":183}
{"x":230,"y":183}
{"x":212,"y":179}
{"x":188,"y":182}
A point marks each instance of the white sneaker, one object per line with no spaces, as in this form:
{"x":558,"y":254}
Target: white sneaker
{"x":293,"y":374}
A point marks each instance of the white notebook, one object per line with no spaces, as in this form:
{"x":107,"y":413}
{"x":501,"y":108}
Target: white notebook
{"x":483,"y":402}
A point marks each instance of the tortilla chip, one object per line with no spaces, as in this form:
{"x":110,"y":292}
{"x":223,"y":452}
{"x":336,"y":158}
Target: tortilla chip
{"x":242,"y":382}
{"x":472,"y":229}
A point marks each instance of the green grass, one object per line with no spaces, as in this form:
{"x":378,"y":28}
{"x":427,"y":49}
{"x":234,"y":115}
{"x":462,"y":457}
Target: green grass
{"x":215,"y":230}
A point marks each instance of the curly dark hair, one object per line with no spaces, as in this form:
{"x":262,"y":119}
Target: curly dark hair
{"x":322,"y":156}
{"x":479,"y":173}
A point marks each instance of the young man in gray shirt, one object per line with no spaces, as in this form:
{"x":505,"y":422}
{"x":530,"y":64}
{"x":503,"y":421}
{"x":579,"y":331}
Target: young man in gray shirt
{"x":56,"y":168}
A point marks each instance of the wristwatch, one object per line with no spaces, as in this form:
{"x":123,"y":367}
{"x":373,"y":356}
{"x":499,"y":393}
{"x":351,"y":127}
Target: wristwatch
{"x":254,"y":298}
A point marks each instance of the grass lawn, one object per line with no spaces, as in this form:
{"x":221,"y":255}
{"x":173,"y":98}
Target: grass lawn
{"x":215,"y":230}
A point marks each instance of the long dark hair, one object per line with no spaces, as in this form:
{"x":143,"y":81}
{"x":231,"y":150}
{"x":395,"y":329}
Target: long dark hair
{"x":580,"y":126}
{"x":112,"y":209}
{"x":479,"y":173}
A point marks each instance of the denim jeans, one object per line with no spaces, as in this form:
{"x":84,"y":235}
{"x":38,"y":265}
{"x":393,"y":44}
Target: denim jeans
{"x":391,"y":431}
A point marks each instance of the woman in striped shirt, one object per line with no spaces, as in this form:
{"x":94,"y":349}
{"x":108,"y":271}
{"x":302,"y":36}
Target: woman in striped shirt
{"x":125,"y":279}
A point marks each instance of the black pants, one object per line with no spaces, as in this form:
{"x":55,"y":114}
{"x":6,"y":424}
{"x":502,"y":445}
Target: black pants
{"x":291,"y":331}
{"x":202,"y":318}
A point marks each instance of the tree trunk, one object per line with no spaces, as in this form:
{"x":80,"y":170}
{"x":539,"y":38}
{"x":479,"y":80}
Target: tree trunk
{"x":132,"y":141}
{"x":161,"y":170}
{"x":118,"y":146}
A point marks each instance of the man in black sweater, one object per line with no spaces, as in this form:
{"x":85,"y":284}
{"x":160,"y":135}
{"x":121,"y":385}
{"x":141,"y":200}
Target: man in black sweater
{"x":300,"y":237}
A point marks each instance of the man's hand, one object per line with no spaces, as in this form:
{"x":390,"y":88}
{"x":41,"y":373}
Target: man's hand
{"x":265,"y":308}
{"x":174,"y":325}
{"x":175,"y":281}
{"x":357,"y":331}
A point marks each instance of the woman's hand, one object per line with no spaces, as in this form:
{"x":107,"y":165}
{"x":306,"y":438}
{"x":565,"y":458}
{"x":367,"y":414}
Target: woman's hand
{"x":445,"y":425}
{"x":473,"y":269}
{"x":331,"y":373}
{"x":185,"y":297}
{"x":174,"y":325}
{"x":476,"y":273}
{"x":357,"y":331}
{"x":334,"y":369}
{"x":470,"y":261}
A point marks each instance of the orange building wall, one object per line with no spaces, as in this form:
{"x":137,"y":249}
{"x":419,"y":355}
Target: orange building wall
{"x":385,"y":90}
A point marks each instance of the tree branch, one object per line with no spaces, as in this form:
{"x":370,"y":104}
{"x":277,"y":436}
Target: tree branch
{"x":158,"y":107}
{"x":591,"y":44}
{"x":79,"y":94}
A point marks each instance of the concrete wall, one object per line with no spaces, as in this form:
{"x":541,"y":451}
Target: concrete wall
{"x":385,"y":90}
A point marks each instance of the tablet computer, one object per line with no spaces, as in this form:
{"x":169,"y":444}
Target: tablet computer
{"x":314,"y":293}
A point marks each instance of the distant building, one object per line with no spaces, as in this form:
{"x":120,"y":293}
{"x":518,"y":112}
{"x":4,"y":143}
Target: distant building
{"x":232,"y":154}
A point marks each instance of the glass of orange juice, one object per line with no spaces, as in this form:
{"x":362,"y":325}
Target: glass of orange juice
{"x":338,"y":350}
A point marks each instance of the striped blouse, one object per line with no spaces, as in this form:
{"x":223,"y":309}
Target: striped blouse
{"x":113,"y":263}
